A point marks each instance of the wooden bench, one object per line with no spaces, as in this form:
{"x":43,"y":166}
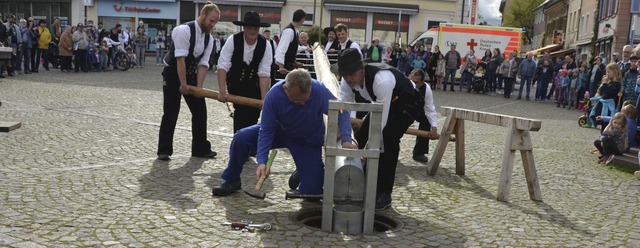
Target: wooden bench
{"x":518,"y":138}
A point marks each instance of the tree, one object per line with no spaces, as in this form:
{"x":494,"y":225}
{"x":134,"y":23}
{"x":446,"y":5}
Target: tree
{"x":520,"y":15}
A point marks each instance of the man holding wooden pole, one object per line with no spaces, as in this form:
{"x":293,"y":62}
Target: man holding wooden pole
{"x":244,"y":68}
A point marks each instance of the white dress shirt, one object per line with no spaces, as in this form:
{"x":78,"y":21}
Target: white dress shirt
{"x":285,"y":40}
{"x":353,"y":45}
{"x":181,"y":35}
{"x":264,"y":69}
{"x":328,"y":47}
{"x":429,"y":107}
{"x":383,"y":84}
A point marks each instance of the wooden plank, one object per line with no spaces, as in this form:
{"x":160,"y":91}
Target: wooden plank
{"x":459,"y":130}
{"x":8,"y":126}
{"x":524,"y":124}
{"x":445,"y":135}
{"x":504,"y":184}
{"x":531,"y":175}
{"x":520,"y":140}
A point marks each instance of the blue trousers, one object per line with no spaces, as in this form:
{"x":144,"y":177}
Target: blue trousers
{"x":308,"y":158}
{"x":525,"y":81}
{"x":449,"y":73}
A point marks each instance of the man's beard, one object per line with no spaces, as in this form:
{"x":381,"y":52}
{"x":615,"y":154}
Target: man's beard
{"x":205,"y":29}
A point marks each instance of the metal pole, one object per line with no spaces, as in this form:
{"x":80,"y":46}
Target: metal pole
{"x":320,"y":25}
{"x":399,"y":21}
{"x":462,"y":15}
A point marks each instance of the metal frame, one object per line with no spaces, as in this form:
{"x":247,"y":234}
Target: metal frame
{"x":372,"y":153}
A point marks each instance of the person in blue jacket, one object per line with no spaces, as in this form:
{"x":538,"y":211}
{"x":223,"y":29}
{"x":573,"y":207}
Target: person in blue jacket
{"x":292,"y":117}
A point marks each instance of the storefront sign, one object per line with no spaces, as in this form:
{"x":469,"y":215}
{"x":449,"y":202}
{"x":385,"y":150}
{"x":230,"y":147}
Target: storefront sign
{"x":268,"y":15}
{"x":389,"y":22}
{"x":228,"y":13}
{"x":351,"y":19}
{"x":472,"y":15}
{"x":141,"y":9}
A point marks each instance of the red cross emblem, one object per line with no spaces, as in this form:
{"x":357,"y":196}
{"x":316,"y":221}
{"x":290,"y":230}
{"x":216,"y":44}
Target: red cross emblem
{"x":472,"y":43}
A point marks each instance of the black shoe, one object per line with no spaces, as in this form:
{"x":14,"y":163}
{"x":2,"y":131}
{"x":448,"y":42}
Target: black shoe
{"x":211,"y":154}
{"x":519,"y":98}
{"x":164,"y":157}
{"x":420,"y":158}
{"x":294,"y":180}
{"x":2,"y":76}
{"x":383,"y":201}
{"x":226,"y":188}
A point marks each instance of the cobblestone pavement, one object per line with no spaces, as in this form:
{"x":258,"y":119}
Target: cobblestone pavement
{"x":82,"y":172}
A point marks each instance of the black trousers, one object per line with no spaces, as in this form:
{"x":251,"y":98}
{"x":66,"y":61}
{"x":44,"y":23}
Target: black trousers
{"x":422,"y":144}
{"x":244,"y":116}
{"x":171,"y":107}
{"x":80,"y":62}
{"x":65,"y":63}
{"x":397,"y":124}
{"x":606,"y":146}
{"x":508,"y":86}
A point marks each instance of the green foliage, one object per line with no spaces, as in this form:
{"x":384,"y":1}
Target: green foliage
{"x":314,"y":34}
{"x":520,"y":15}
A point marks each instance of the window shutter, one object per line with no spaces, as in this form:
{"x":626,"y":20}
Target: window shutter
{"x":635,"y":6}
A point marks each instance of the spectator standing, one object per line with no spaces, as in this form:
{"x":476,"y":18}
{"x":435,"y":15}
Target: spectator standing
{"x":81,"y":42}
{"x":65,"y":49}
{"x":432,"y":65}
{"x":365,"y":51}
{"x":140,"y":40}
{"x":342,"y":31}
{"x":28,"y":38}
{"x":411,"y":56}
{"x":375,"y":51}
{"x":56,"y":30}
{"x":44,"y":38}
{"x":468,"y":69}
{"x":160,"y":46}
{"x":629,"y":80}
{"x":526,"y":71}
{"x":494,"y":74}
{"x":544,"y":75}
{"x":218,"y":43}
{"x":14,"y":39}
{"x":452,"y":58}
{"x":509,"y":70}
{"x":332,"y":45}
{"x":625,"y":63}
{"x":595,"y":75}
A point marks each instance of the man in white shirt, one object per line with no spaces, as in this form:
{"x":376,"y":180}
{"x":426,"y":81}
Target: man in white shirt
{"x":187,"y":63}
{"x":402,"y":105}
{"x":342,"y":31}
{"x":288,"y":46}
{"x":244,"y":68}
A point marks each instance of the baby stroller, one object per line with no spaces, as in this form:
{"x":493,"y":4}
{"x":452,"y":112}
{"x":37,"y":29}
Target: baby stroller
{"x":53,"y":53}
{"x":478,"y":82}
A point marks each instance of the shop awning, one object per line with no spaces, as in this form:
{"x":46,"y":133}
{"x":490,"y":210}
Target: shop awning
{"x":563,"y":53}
{"x":549,"y":48}
{"x":373,"y":7}
{"x":261,"y":3}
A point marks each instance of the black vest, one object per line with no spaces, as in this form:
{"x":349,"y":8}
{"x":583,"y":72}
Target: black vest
{"x":347,"y":45}
{"x":335,"y":45}
{"x":191,"y":62}
{"x":405,"y":97}
{"x":242,"y":79}
{"x":292,"y":50}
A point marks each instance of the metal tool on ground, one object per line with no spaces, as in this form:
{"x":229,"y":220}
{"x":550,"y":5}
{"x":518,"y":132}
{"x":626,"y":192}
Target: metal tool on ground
{"x":248,"y":225}
{"x":294,"y":194}
{"x":256,"y":192}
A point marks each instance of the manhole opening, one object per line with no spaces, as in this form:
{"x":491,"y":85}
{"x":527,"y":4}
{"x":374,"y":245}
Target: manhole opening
{"x":313,"y":218}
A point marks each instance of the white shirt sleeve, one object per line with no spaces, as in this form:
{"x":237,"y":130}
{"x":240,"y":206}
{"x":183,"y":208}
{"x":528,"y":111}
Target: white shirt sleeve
{"x":180,"y":36}
{"x":285,"y":40}
{"x":356,"y":46}
{"x":264,"y":69}
{"x":204,"y":61}
{"x":383,"y":84}
{"x":347,"y":95}
{"x":429,"y":107}
{"x":224,"y":61}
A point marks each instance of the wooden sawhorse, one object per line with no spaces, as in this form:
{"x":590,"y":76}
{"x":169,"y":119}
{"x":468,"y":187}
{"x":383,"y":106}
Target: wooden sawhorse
{"x":518,"y":138}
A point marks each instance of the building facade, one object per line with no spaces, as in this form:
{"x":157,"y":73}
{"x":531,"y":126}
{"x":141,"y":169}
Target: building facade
{"x":539,"y":26}
{"x":586,"y":34}
{"x":614,"y":21}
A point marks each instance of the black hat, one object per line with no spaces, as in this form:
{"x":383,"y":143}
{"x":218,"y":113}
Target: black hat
{"x":327,"y":30}
{"x":349,"y":61}
{"x":252,"y":19}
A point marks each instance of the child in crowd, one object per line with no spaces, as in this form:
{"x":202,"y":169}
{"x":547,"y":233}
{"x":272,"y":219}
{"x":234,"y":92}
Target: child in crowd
{"x":104,"y":55}
{"x":573,"y":89}
{"x":96,"y":59}
{"x":614,"y":140}
{"x":418,"y":64}
{"x":545,"y":75}
{"x":583,"y":83}
{"x":132,"y":56}
{"x":563,"y":84}
{"x":440,"y":71}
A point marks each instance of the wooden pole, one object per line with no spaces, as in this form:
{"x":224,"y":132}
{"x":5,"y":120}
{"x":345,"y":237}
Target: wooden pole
{"x":251,"y":102}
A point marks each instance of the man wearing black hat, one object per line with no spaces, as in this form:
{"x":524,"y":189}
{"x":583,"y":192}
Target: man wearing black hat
{"x":331,"y":46}
{"x":187,"y":64}
{"x":288,"y":46}
{"x":244,"y":68}
{"x":402,"y":105}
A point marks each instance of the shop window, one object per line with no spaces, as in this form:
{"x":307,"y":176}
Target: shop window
{"x":187,"y":11}
{"x":635,"y":6}
{"x":355,"y":21}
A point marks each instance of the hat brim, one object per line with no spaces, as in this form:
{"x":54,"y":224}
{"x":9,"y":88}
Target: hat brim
{"x":327,"y":30}
{"x":351,"y":68}
{"x":261,"y":24}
